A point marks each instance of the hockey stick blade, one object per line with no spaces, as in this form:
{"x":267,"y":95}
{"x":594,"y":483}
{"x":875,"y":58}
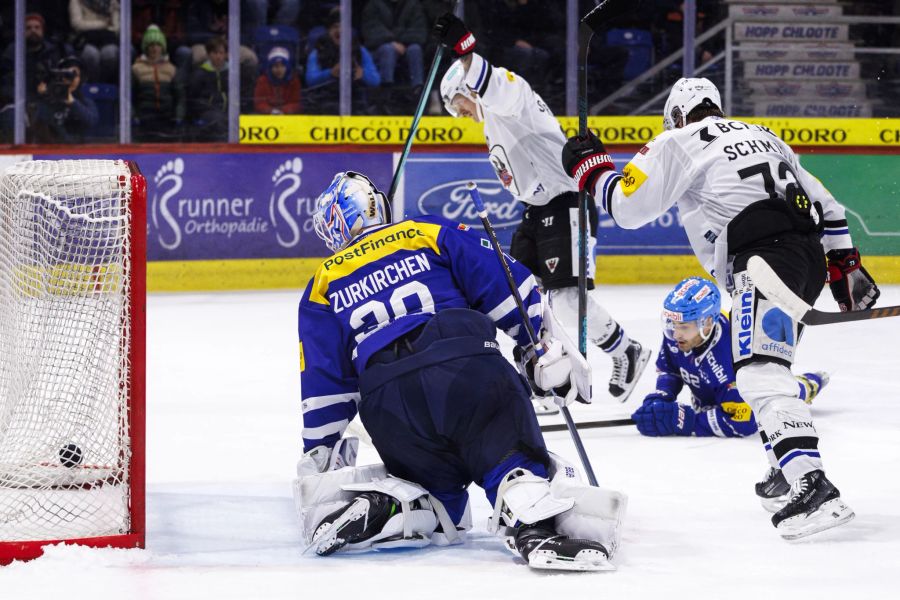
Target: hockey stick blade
{"x":775,"y":289}
{"x":608,"y":10}
{"x":587,"y":425}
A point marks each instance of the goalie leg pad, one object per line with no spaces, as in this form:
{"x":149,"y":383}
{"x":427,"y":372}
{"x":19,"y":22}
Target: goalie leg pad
{"x":597,"y":513}
{"x":523,"y":497}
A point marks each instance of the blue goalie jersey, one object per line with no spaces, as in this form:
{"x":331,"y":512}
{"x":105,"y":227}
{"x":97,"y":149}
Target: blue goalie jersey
{"x":387,"y":282}
{"x":709,"y":374}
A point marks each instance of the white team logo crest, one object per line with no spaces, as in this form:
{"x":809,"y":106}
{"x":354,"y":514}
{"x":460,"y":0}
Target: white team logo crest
{"x":551,"y":263}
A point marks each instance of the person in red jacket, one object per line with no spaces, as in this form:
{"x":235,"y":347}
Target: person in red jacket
{"x":277,"y":90}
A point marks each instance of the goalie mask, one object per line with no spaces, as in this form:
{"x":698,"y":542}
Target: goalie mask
{"x":686,"y":95}
{"x":454,"y":84}
{"x":690,"y":309}
{"x":350,"y":204}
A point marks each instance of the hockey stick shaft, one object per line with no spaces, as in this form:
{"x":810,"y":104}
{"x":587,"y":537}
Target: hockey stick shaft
{"x":420,"y":108}
{"x":589,"y":23}
{"x":767,"y":280}
{"x":587,"y":425}
{"x":514,"y":290}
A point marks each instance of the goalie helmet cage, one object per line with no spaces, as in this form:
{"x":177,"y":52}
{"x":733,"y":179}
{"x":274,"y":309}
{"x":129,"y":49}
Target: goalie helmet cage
{"x":72,"y":355}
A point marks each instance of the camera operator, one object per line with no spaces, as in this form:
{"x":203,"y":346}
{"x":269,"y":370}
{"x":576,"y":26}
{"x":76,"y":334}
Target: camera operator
{"x":64,"y":114}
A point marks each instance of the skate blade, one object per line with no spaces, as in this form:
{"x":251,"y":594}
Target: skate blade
{"x":829,"y":515}
{"x":643,"y":361}
{"x":324,"y":543}
{"x":773,"y":505}
{"x":586,"y":560}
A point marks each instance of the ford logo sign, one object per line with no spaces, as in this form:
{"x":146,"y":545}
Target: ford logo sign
{"x":451,"y":200}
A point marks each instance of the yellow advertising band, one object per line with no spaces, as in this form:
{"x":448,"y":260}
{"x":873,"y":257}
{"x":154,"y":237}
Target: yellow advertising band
{"x":294,"y":273}
{"x":381,"y":131}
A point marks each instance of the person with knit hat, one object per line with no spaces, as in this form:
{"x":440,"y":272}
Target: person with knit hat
{"x":277,"y":90}
{"x":157,"y":91}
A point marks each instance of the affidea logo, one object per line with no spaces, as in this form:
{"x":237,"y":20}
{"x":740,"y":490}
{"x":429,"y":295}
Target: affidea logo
{"x":176,"y":215}
{"x":290,"y":213}
{"x":451,"y":200}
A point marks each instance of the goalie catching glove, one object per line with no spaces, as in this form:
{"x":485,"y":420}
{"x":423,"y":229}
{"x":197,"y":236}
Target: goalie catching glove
{"x":851,"y":285}
{"x":453,"y":33}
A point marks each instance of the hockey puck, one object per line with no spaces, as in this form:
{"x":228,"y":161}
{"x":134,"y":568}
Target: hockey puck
{"x":70,"y":456}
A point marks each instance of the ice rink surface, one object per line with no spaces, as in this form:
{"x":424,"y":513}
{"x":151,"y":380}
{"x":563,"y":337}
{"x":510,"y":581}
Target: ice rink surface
{"x":224,"y":436}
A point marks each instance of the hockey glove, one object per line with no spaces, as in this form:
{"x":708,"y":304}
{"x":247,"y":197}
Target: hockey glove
{"x":661,"y":417}
{"x":585,"y":158}
{"x":851,"y":285}
{"x":322,"y":458}
{"x":453,"y":33}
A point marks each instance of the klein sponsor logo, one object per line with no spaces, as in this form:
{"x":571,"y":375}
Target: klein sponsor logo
{"x":451,"y":200}
{"x":745,"y":324}
{"x":175,"y":216}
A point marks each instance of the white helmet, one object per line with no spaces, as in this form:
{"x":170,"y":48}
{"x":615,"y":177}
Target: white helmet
{"x":686,"y":95}
{"x":453,"y":84}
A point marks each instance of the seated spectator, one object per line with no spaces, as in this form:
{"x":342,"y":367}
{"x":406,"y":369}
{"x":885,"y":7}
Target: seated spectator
{"x":157,"y":92}
{"x":169,"y":16}
{"x":530,"y":40}
{"x":207,"y":18}
{"x":41,"y":56}
{"x":395,"y":29}
{"x":96,"y":25}
{"x":64,"y":115}
{"x":278,"y":89}
{"x":208,"y":93}
{"x":323,"y":69}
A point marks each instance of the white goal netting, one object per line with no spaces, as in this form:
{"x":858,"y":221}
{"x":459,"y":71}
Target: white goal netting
{"x":65,"y":277}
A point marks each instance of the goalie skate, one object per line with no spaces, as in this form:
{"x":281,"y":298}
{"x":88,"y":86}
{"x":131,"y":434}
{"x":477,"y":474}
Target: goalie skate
{"x":543,"y":548}
{"x":815,"y":506}
{"x":358,"y":521}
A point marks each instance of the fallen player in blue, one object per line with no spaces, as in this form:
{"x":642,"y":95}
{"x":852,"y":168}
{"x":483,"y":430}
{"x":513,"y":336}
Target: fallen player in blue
{"x":696,"y":352}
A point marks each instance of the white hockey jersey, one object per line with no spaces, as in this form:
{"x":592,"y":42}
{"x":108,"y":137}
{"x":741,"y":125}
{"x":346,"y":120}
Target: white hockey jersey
{"x":524,"y":139}
{"x":712,"y":169}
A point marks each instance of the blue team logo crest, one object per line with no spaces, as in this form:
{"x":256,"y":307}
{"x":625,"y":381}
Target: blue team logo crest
{"x":451,"y":200}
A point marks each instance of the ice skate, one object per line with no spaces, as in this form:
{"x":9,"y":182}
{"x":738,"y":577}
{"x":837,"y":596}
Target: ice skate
{"x":358,"y":521}
{"x":627,"y":369}
{"x":815,"y":506}
{"x":543,"y":548}
{"x":774,"y":491}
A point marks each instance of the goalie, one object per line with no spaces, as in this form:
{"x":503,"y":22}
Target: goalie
{"x":399,"y":324}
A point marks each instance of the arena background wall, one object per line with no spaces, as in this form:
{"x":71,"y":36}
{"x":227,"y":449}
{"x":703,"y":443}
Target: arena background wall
{"x":226,"y":217}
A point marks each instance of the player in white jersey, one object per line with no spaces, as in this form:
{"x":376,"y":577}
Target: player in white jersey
{"x":524,"y":141}
{"x":741,"y":191}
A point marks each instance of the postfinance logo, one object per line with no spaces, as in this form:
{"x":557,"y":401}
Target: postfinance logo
{"x":408,"y":235}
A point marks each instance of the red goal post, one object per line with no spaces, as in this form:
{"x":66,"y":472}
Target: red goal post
{"x":72,"y":355}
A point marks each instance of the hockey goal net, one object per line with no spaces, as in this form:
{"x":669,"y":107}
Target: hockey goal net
{"x":72,"y":306}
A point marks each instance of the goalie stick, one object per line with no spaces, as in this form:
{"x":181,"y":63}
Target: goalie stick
{"x":765,"y":278}
{"x":587,"y":425}
{"x":570,"y":423}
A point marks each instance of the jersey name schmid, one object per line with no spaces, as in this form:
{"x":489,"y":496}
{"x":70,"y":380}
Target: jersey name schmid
{"x":376,"y":281}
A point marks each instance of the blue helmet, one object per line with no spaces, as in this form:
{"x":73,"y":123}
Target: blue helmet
{"x":692,"y":300}
{"x":350,"y":204}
